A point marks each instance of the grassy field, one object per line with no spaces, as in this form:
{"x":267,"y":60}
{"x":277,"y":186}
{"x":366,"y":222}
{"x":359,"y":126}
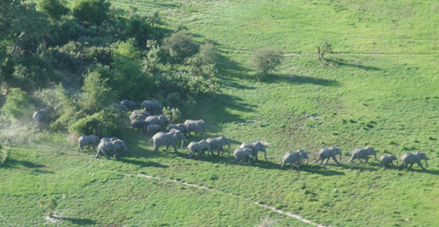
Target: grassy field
{"x":380,"y":91}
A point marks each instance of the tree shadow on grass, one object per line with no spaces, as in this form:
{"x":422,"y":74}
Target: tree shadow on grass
{"x":143,"y":163}
{"x":80,"y":221}
{"x":12,"y":163}
{"x":340,"y":63}
{"x":296,"y":79}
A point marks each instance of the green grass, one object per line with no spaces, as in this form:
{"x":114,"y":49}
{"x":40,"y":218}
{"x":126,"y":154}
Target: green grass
{"x":381,"y":91}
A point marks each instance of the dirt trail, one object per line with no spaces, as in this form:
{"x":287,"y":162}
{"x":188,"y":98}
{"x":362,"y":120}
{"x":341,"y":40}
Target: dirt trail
{"x":230,"y":194}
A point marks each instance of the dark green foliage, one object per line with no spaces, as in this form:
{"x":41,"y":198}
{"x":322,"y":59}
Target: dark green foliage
{"x":140,"y":30}
{"x":64,"y":31}
{"x":179,"y":46}
{"x":97,"y":94}
{"x":266,"y":59}
{"x":103,"y":123}
{"x":129,"y":79}
{"x":91,"y":11}
{"x":16,"y":103}
{"x":54,"y":8}
{"x":93,"y":112}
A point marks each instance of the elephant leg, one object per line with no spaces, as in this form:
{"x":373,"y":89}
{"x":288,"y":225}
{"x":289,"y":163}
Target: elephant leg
{"x":335,"y":160}
{"x":367,"y":159}
{"x":327,"y":160}
{"x":420,"y":165}
{"x":79,"y":148}
{"x":411,"y":165}
{"x":167,"y":146}
{"x":175,"y":148}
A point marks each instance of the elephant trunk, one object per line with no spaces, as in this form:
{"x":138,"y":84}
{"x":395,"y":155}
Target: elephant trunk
{"x":265,"y":155}
{"x":340,"y":156}
{"x":182,"y":143}
{"x":426,"y":164}
{"x":375,"y":157}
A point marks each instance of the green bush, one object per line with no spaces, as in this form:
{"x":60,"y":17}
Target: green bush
{"x":91,"y":11}
{"x":266,"y":59}
{"x":17,"y":101}
{"x":173,"y":114}
{"x":179,"y":46}
{"x":54,"y":8}
{"x":104,"y":123}
{"x":97,"y":94}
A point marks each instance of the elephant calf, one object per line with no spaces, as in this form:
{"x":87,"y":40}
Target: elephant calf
{"x":243,"y":153}
{"x":387,"y":160}
{"x":363,"y":153}
{"x":198,"y":147}
{"x":292,"y":157}
{"x":218,"y":143}
{"x":139,"y":124}
{"x":88,"y":141}
{"x":154,"y":128}
{"x":410,"y":159}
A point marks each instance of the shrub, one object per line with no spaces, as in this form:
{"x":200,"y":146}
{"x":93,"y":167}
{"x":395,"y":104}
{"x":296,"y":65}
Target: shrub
{"x":16,"y":103}
{"x":54,"y":8}
{"x":91,"y":11}
{"x":103,"y":123}
{"x":179,"y":46}
{"x":266,"y":59}
{"x":173,"y":114}
{"x":97,"y":94}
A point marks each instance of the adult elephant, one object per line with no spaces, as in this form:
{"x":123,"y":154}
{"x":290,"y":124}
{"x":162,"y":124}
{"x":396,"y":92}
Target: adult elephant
{"x":410,"y":159}
{"x":42,"y":116}
{"x":255,"y":147}
{"x":167,"y":139}
{"x":363,"y":153}
{"x":243,"y":153}
{"x":111,"y":145}
{"x":139,"y":115}
{"x":180,"y":127}
{"x":128,"y":103}
{"x":197,"y":126}
{"x":387,"y":160}
{"x":218,"y":143}
{"x":87,"y":140}
{"x":294,"y":156}
{"x":198,"y":147}
{"x":327,"y":153}
{"x":139,"y":124}
{"x":153,"y":120}
{"x":152,"y":107}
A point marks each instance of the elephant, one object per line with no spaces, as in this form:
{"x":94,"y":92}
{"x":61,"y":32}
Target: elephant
{"x":180,"y":127}
{"x":154,"y":128}
{"x":410,"y":159}
{"x":363,"y":153}
{"x":326,"y":153}
{"x":152,"y":107}
{"x":88,"y":141}
{"x":243,"y":153}
{"x":139,"y":124}
{"x":167,"y":138}
{"x":42,"y":116}
{"x":128,"y":103}
{"x":139,"y":115}
{"x":153,"y":120}
{"x":255,"y":147}
{"x":198,"y":147}
{"x":163,"y":119}
{"x":387,"y":160}
{"x":111,"y":145}
{"x":218,"y":143}
{"x":296,"y":156}
{"x":120,"y":108}
{"x":199,"y":126}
